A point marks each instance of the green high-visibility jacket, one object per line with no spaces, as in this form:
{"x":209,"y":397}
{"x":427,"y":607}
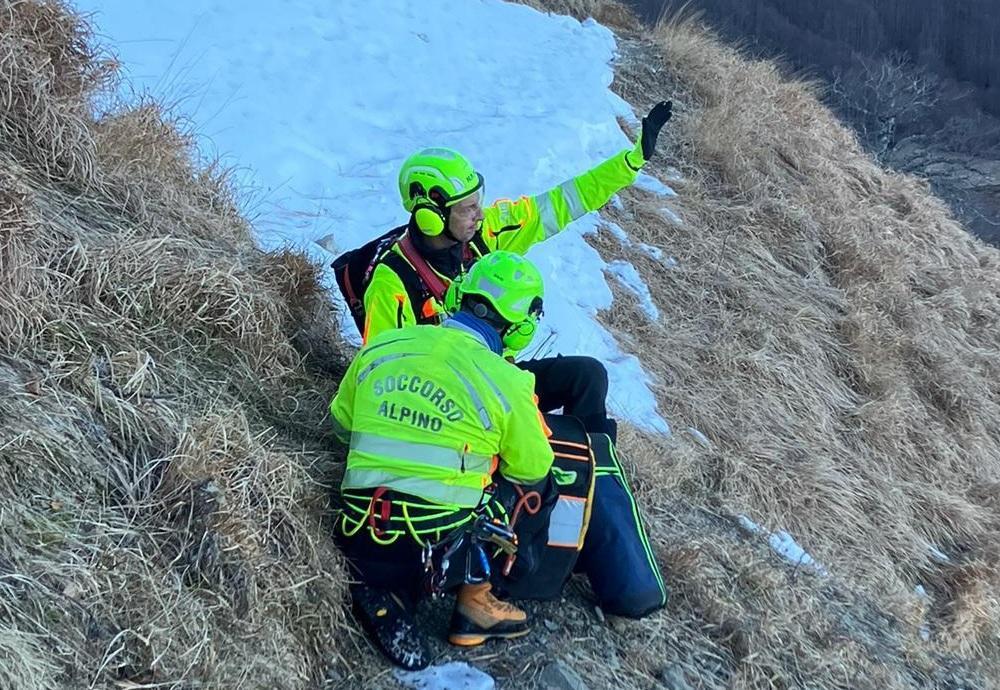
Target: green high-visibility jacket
{"x":432,"y":412}
{"x":509,"y":225}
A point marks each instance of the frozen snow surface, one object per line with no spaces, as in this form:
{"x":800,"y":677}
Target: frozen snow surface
{"x":317,"y":103}
{"x":784,"y":545}
{"x":629,"y":277}
{"x":651,"y":184}
{"x":454,"y":675}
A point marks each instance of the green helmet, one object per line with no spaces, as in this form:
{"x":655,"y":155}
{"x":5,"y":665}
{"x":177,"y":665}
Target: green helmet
{"x":512,"y":286}
{"x":433,"y":179}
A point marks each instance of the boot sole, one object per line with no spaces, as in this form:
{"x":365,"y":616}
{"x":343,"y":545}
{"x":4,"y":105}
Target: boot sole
{"x":476,"y":639}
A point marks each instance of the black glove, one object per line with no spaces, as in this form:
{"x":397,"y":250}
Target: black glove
{"x":652,"y":124}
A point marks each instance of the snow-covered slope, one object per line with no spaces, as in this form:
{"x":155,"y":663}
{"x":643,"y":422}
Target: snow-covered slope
{"x":317,"y":103}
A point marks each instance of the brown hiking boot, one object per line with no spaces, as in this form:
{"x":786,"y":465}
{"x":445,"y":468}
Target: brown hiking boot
{"x":480,"y":616}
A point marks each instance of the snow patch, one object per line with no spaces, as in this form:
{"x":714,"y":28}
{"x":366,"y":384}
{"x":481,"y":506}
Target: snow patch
{"x":633,"y":282}
{"x":657,"y":254}
{"x":455,"y":675}
{"x":669,"y":215}
{"x":310,"y":103}
{"x":937,"y":554}
{"x":699,"y":437}
{"x":925,"y":627}
{"x":784,"y":545}
{"x":570,"y":326}
{"x":649,"y":250}
{"x":651,"y":184}
{"x":674,"y":175}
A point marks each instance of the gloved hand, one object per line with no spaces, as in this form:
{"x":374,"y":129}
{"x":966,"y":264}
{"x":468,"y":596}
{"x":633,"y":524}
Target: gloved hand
{"x":651,"y":126}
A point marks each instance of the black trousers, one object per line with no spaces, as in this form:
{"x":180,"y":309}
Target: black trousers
{"x":396,"y":567}
{"x":579,"y":385}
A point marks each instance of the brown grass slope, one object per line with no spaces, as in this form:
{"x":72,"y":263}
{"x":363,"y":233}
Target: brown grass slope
{"x":836,"y":336}
{"x":827,"y":326}
{"x":159,"y":526}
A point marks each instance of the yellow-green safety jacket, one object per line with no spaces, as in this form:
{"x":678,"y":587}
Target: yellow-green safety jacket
{"x":432,"y":412}
{"x":509,"y":225}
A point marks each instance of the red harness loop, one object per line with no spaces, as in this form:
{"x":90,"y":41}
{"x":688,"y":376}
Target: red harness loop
{"x":384,"y":508}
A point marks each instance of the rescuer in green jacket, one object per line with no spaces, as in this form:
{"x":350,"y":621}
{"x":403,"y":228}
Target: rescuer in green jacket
{"x":449,"y":230}
{"x":432,"y":414}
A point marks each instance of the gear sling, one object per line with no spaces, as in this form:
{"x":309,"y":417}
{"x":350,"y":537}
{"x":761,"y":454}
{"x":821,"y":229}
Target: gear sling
{"x":590,"y":524}
{"x":525,"y":538}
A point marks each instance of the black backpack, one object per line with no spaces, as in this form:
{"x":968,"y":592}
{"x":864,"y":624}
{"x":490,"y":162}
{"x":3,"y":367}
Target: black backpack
{"x":353,"y":271}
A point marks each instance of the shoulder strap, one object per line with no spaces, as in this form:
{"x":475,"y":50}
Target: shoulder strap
{"x":414,"y":286}
{"x":431,"y":280}
{"x":383,"y":246}
{"x":418,"y":278}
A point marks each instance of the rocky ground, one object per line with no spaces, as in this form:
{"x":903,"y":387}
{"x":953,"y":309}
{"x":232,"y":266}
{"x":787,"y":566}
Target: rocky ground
{"x":970,"y":182}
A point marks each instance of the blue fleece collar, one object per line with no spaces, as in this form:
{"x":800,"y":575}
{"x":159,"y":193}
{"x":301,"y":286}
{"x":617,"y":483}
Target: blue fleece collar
{"x":470,"y":323}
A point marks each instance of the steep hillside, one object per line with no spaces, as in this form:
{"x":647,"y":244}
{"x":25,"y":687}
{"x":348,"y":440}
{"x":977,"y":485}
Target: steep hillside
{"x":832,"y":331}
{"x":955,"y":39}
{"x":157,"y":419}
{"x":827,"y":353}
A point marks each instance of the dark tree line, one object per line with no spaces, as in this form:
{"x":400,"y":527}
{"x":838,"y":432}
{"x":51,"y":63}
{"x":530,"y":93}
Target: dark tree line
{"x":918,"y":80}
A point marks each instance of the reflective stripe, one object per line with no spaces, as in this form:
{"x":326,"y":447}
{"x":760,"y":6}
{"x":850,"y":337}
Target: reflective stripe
{"x":496,"y":391}
{"x":428,"y":489}
{"x":566,"y":522}
{"x":380,"y":361}
{"x":420,"y":453}
{"x":547,"y":213}
{"x":484,"y":416}
{"x":573,"y":200}
{"x":372,"y":348}
{"x":489,"y":287}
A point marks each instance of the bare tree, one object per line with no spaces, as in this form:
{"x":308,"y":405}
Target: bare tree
{"x":879,"y":94}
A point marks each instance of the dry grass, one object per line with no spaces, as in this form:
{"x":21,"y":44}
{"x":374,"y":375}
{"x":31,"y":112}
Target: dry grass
{"x":827,"y":326}
{"x":162,"y":402}
{"x":834,"y":333}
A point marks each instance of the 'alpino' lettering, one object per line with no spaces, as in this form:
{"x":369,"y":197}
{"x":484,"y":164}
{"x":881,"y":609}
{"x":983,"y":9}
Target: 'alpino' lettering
{"x":405,"y":415}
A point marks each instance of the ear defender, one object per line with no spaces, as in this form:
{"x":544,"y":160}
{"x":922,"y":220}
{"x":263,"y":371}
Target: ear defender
{"x":453,"y":296}
{"x":429,"y":218}
{"x":519,"y":335}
